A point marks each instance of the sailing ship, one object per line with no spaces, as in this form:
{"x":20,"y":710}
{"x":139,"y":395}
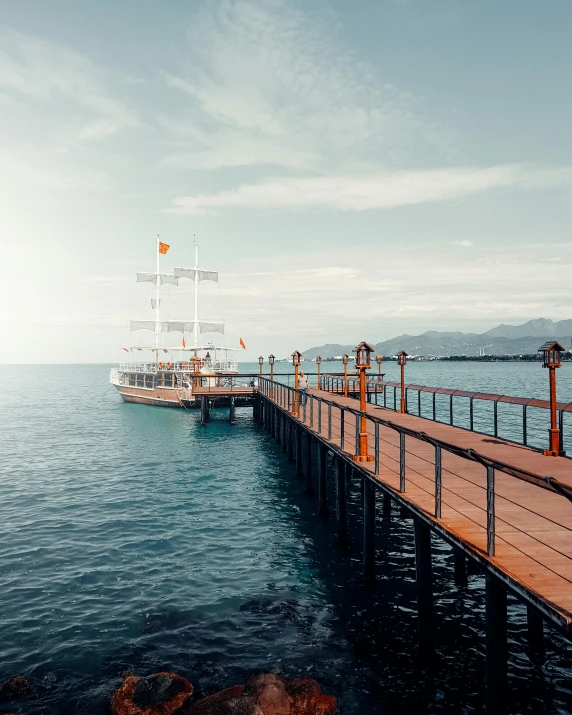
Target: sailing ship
{"x":170,"y":374}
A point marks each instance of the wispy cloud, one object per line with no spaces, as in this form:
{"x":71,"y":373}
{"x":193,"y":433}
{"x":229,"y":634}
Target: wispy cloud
{"x":268,"y":84}
{"x":379,"y":190}
{"x":38,"y":71}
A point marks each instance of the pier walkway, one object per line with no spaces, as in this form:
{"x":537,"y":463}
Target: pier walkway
{"x":487,"y":497}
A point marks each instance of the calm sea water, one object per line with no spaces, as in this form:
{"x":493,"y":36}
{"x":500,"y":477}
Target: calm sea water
{"x":133,"y":539}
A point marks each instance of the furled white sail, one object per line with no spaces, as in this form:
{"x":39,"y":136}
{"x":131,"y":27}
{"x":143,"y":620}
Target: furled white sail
{"x":142,"y":325}
{"x":208,"y":276}
{"x":163,"y":278}
{"x":169,"y":278}
{"x":147,"y":278}
{"x":190,"y":273}
{"x":177,"y":326}
{"x":211,"y":327}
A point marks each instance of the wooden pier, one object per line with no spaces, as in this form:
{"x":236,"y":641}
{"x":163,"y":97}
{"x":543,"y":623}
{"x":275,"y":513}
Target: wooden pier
{"x":504,"y":505}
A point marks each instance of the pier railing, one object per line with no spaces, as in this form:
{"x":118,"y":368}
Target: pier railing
{"x":435,"y":472}
{"x":457,"y":407}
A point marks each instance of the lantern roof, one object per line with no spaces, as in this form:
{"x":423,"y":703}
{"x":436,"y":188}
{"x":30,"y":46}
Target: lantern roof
{"x":297,"y":353}
{"x":402,"y":352}
{"x":551,"y":345}
{"x":379,"y":357}
{"x":363,"y":346}
{"x":271,"y":356}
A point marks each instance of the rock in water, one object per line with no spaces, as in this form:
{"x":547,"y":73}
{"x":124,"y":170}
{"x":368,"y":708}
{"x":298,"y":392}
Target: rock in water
{"x":266,"y":695}
{"x":308,"y":699}
{"x":270,"y":694}
{"x":17,"y":687}
{"x":159,"y":694}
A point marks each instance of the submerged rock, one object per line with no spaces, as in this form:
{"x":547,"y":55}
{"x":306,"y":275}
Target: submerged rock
{"x":17,"y":687}
{"x":266,"y":694}
{"x":159,"y":694}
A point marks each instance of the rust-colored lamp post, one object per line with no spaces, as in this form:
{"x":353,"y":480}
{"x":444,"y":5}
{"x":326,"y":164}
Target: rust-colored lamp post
{"x":551,"y":356}
{"x":271,"y":359}
{"x":260,"y":362}
{"x":319,"y":364}
{"x":402,"y":361}
{"x":296,"y":357}
{"x":363,"y":363}
{"x":345,"y":360}
{"x":379,"y":360}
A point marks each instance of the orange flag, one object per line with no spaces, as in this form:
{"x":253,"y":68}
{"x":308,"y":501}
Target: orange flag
{"x":184,"y":343}
{"x":163,"y":247}
{"x":242,"y":345}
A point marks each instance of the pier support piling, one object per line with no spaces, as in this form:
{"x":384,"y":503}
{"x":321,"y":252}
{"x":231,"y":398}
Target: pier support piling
{"x":341,"y":501}
{"x":424,"y":572}
{"x":298,"y":449}
{"x":204,"y":409}
{"x":496,"y":645}
{"x":309,"y":488}
{"x":232,"y":412}
{"x":368,"y":530}
{"x":535,"y":623}
{"x":322,"y":479}
{"x":386,"y":511}
{"x":290,"y":440}
{"x":283,"y":433}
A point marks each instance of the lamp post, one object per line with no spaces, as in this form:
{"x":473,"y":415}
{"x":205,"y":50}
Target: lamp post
{"x":363,"y":363}
{"x":319,"y":364}
{"x":551,"y":357}
{"x":271,"y":359}
{"x":345,"y":360}
{"x":296,"y":356}
{"x":379,"y":360}
{"x":402,"y":361}
{"x":260,"y":362}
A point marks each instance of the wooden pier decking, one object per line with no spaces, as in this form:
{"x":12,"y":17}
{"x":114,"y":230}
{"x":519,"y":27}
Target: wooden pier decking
{"x":531,"y":526}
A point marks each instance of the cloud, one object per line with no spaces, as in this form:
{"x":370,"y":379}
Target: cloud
{"x":38,"y":71}
{"x":378,"y":190}
{"x":464,"y":244}
{"x":266,"y":84}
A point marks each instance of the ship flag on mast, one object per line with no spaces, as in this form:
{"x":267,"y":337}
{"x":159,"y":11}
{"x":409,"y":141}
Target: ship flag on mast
{"x":163,"y":247}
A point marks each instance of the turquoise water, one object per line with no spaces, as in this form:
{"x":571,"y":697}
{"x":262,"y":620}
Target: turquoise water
{"x":133,"y":539}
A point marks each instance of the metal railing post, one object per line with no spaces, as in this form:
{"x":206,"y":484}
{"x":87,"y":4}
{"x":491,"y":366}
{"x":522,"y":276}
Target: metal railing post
{"x":490,"y":511}
{"x":376,"y":448}
{"x":311,"y":411}
{"x":342,"y":426}
{"x":401,"y":461}
{"x":524,"y":430}
{"x":450,"y":409}
{"x":329,"y":422}
{"x":471,"y":415}
{"x":319,"y":415}
{"x":419,"y":403}
{"x":434,"y":407}
{"x":438,"y":482}
{"x":496,"y":419}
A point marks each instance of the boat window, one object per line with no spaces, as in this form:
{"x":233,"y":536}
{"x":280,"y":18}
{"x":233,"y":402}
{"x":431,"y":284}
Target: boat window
{"x":132,"y":379}
{"x":149,"y":381}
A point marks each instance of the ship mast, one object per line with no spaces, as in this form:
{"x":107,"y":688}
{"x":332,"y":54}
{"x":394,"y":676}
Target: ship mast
{"x":196,"y":320}
{"x":157,"y":305}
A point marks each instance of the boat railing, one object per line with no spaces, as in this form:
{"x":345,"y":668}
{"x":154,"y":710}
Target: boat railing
{"x":229,"y":366}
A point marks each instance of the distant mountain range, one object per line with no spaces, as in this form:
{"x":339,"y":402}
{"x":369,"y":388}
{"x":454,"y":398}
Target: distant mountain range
{"x":503,"y":340}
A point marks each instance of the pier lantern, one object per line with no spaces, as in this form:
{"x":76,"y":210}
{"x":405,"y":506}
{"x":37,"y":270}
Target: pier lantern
{"x":296,"y":359}
{"x":551,"y":356}
{"x":363,"y":363}
{"x":260,"y":363}
{"x":402,"y":362}
{"x":379,"y":360}
{"x":319,"y":364}
{"x":363,"y":356}
{"x":345,"y":360}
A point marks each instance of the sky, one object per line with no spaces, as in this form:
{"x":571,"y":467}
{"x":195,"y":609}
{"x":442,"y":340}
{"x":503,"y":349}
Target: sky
{"x":354,"y":171}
